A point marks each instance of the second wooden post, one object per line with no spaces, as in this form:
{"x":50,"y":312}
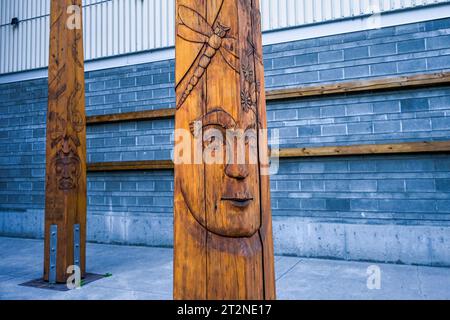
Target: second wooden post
{"x":223,"y":232}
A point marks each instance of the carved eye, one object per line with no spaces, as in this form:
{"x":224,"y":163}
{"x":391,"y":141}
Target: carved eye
{"x":251,"y":140}
{"x":214,"y":134}
{"x":208,"y":141}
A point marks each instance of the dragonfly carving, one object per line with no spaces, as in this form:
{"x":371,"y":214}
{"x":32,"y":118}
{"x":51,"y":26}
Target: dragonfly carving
{"x":194,"y":28}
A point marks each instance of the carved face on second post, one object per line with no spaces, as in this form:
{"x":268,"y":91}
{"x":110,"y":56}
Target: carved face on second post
{"x":231,"y":172}
{"x":217,"y":96}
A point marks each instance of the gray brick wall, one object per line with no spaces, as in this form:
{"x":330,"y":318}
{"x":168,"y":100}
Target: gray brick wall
{"x":401,"y":189}
{"x":131,"y":193}
{"x":386,"y":117}
{"x":406,"y":49}
{"x":135,"y":88}
{"x":385,"y":189}
{"x":130,"y":141}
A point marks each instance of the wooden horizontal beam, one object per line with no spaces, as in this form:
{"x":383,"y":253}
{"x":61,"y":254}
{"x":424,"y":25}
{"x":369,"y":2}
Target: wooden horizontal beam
{"x":132,"y":116}
{"x":370,"y":149}
{"x":411,"y":147}
{"x":388,"y":83}
{"x":130,"y":165}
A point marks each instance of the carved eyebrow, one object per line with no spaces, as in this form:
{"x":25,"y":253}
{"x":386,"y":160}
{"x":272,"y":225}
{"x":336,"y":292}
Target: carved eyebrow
{"x":251,"y":126}
{"x":217,"y":116}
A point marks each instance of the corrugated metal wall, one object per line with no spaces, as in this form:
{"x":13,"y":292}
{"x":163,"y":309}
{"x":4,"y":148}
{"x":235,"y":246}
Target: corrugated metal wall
{"x":26,"y":46}
{"x":287,"y":13}
{"x":122,"y":26}
{"x":111,"y":27}
{"x":114,"y":27}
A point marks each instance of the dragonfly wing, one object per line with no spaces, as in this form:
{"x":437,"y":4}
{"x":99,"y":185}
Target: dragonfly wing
{"x":231,"y":59}
{"x":191,"y":36}
{"x":230,"y":44}
{"x":194,"y":21}
{"x":216,"y":15}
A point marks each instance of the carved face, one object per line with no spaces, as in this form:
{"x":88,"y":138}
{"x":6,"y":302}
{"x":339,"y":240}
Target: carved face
{"x":231,"y":174}
{"x":216,"y":87}
{"x":67,"y":170}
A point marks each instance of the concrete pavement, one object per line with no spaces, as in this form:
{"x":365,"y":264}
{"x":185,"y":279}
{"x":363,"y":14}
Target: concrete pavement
{"x":145,"y":273}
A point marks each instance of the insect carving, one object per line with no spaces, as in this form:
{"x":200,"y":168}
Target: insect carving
{"x":194,"y":28}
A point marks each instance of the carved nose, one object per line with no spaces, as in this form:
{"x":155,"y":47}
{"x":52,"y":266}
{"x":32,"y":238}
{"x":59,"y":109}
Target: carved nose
{"x":236,"y":171}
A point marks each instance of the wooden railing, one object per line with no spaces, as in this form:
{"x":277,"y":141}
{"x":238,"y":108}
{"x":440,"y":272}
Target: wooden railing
{"x":130,"y":165}
{"x":389,"y":83}
{"x":368,"y":149}
{"x":133,"y":116}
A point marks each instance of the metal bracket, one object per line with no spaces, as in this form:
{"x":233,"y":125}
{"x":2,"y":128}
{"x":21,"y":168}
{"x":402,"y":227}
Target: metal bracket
{"x":53,"y":251}
{"x":76,"y":245}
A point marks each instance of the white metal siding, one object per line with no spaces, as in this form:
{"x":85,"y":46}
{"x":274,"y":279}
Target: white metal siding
{"x":115,"y":27}
{"x":24,"y":47}
{"x":278,"y":14}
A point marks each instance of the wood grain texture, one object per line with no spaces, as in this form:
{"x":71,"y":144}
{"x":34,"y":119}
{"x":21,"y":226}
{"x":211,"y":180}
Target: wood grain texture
{"x":165,"y":113}
{"x":223,"y":236}
{"x":130,"y":165}
{"x":331,"y":151}
{"x":65,"y":189}
{"x":410,"y":147}
{"x":264,"y":154}
{"x":387,"y":83}
{"x":190,"y":238}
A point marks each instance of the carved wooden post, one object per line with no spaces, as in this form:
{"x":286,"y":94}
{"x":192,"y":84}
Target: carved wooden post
{"x":223,"y":231}
{"x":65,"y":190}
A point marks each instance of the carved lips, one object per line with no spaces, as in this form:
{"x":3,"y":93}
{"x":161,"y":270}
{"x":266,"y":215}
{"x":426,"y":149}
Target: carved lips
{"x":238,"y":201}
